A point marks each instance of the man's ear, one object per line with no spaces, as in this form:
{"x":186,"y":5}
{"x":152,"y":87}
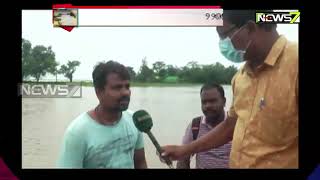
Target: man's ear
{"x":98,"y":92}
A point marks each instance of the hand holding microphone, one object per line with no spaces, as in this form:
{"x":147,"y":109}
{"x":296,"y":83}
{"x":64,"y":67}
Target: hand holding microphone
{"x":143,"y":122}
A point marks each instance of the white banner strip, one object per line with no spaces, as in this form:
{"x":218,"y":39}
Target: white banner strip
{"x":150,"y":17}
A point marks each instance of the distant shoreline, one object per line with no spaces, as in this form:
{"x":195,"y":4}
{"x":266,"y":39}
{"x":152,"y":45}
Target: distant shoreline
{"x":132,"y":84}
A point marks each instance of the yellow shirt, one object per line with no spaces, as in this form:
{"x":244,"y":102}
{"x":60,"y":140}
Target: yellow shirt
{"x":266,"y":106}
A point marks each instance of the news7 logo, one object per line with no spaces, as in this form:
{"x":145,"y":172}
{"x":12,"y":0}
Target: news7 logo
{"x":278,"y":17}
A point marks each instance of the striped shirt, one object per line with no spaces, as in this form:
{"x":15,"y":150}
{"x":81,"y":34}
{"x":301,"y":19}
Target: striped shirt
{"x":214,"y":158}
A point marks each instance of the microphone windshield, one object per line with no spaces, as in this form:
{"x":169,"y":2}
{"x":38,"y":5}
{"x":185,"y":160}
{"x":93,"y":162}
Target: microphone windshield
{"x":142,"y":120}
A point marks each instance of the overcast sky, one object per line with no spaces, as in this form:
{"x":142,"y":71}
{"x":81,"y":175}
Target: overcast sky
{"x":128,"y":45}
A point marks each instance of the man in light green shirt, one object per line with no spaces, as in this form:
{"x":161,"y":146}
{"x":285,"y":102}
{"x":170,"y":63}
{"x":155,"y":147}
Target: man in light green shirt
{"x":106,"y":136}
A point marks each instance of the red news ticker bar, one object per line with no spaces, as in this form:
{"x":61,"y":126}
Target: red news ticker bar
{"x":134,"y":7}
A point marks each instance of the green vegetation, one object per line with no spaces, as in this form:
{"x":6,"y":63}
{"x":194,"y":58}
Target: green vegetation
{"x":132,"y":84}
{"x":69,"y":69}
{"x":40,"y":60}
{"x":191,"y":73}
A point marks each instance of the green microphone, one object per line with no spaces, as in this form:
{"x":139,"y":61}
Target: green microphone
{"x":142,"y":120}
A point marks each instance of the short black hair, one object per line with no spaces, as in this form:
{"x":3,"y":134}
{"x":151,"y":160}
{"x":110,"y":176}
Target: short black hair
{"x":212,"y":85}
{"x":103,"y":69}
{"x":241,"y":17}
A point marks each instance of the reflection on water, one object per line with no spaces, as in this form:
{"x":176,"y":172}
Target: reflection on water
{"x":44,"y":120}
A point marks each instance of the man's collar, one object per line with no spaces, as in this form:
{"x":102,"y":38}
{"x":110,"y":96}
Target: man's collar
{"x":272,"y":56}
{"x":276,"y":51}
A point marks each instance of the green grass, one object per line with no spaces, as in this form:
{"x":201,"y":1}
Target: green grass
{"x":87,"y":84}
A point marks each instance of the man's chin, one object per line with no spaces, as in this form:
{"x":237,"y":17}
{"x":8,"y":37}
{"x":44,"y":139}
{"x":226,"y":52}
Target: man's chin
{"x":120,"y":109}
{"x":211,"y":117}
{"x":123,"y":108}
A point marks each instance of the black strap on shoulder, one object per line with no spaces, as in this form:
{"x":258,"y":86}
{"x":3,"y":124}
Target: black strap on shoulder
{"x":195,"y":127}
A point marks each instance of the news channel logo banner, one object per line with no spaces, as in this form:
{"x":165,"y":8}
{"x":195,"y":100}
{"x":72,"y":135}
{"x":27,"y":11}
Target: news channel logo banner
{"x":50,"y":90}
{"x":278,"y":17}
{"x":65,"y":17}
{"x":143,"y":16}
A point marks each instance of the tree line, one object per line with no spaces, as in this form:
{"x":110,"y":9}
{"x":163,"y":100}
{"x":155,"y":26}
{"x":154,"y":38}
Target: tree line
{"x":40,"y":60}
{"x":192,"y":72}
